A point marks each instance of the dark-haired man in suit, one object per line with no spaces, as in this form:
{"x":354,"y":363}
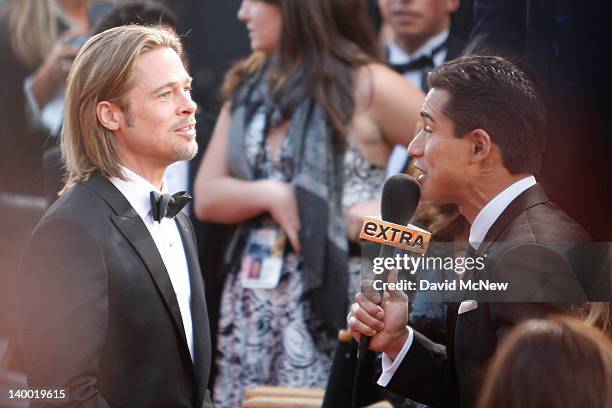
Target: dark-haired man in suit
{"x":423,"y":37}
{"x":479,"y":147}
{"x":112,"y":303}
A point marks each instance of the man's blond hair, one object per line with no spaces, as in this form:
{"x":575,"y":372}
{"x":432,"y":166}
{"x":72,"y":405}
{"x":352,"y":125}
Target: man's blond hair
{"x":103,"y":71}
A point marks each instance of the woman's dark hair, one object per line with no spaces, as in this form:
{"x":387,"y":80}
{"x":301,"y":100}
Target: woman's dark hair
{"x":560,"y":362}
{"x":321,"y":43}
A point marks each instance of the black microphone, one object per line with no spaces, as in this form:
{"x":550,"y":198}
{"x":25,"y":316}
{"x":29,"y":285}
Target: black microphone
{"x":400,"y":198}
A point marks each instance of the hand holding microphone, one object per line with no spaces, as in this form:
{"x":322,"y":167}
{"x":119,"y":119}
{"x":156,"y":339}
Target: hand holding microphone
{"x":384,"y":323}
{"x":400,"y":198}
{"x":384,"y":315}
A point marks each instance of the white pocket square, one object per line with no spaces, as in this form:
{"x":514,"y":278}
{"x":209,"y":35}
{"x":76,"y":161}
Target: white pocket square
{"x":467,"y":305}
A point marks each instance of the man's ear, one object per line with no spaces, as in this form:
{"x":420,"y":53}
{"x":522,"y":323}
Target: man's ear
{"x":109,"y":115}
{"x":481,"y":145}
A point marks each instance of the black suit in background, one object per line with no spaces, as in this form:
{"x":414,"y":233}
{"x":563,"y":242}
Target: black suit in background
{"x":98,"y":310}
{"x":450,"y":376}
{"x":565,"y":45}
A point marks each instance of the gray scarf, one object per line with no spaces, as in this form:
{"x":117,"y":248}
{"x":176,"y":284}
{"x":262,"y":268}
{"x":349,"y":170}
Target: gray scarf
{"x":318,"y":182}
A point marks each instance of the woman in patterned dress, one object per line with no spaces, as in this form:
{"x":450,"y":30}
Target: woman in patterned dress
{"x":299,"y":151}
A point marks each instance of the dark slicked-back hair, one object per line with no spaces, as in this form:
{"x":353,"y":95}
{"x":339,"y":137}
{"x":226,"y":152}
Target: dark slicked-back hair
{"x":493,"y":94}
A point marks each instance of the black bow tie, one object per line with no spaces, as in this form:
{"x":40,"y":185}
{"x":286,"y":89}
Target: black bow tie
{"x":423,"y":62}
{"x":418,"y":64}
{"x":166,"y":205}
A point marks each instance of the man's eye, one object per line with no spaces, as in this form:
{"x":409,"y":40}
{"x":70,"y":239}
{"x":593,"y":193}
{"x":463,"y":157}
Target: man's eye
{"x":188,"y":88}
{"x":427,"y":129}
{"x":165,"y":95}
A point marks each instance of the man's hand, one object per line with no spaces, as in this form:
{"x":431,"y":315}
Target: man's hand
{"x":384,"y":321}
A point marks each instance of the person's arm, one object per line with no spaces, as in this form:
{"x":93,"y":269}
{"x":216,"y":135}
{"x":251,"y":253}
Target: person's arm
{"x":354,"y":217}
{"x":390,"y":363}
{"x":218,"y":197}
{"x":52,"y":73}
{"x":386,"y":324}
{"x":395,"y":105}
{"x":413,"y":366}
{"x":392,"y":105}
{"x":222,"y":198}
{"x":423,"y":374}
{"x":63,"y":311}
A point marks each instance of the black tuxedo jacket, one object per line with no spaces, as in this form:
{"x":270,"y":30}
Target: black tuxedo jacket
{"x":98,"y":311}
{"x":451,"y":375}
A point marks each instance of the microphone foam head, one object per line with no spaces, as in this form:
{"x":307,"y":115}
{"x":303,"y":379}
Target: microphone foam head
{"x":400,"y":198}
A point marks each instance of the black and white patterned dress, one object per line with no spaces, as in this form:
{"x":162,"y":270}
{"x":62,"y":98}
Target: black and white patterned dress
{"x":268,"y":336}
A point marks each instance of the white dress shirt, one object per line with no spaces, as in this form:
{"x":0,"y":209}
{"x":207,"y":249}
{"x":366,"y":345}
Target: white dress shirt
{"x":177,"y":179}
{"x":482,"y":223}
{"x":491,"y":212}
{"x":167,"y":238}
{"x":398,"y":56}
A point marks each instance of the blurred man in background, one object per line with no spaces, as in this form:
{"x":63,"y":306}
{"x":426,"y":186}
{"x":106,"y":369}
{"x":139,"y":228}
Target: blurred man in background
{"x":421,"y":39}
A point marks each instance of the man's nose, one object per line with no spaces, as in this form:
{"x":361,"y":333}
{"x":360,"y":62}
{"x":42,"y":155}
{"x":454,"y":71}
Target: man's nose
{"x":242,"y":12}
{"x":188,"y":106}
{"x":415,"y":148}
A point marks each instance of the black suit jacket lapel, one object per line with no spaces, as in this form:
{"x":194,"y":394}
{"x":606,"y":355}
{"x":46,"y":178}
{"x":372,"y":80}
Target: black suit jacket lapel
{"x":532,"y":196}
{"x":199,"y":313}
{"x":129,"y":223}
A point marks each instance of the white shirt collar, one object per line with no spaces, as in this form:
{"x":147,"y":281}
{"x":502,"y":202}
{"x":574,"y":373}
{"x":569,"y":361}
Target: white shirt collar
{"x":398,"y":56}
{"x":137,"y":191}
{"x":494,"y":208}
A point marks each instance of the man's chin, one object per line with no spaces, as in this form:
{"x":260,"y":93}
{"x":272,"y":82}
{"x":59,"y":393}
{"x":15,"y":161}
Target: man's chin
{"x":186,"y":152}
{"x":431,"y":198}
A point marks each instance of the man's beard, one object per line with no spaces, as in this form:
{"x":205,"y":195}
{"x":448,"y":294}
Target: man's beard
{"x":184,"y":151}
